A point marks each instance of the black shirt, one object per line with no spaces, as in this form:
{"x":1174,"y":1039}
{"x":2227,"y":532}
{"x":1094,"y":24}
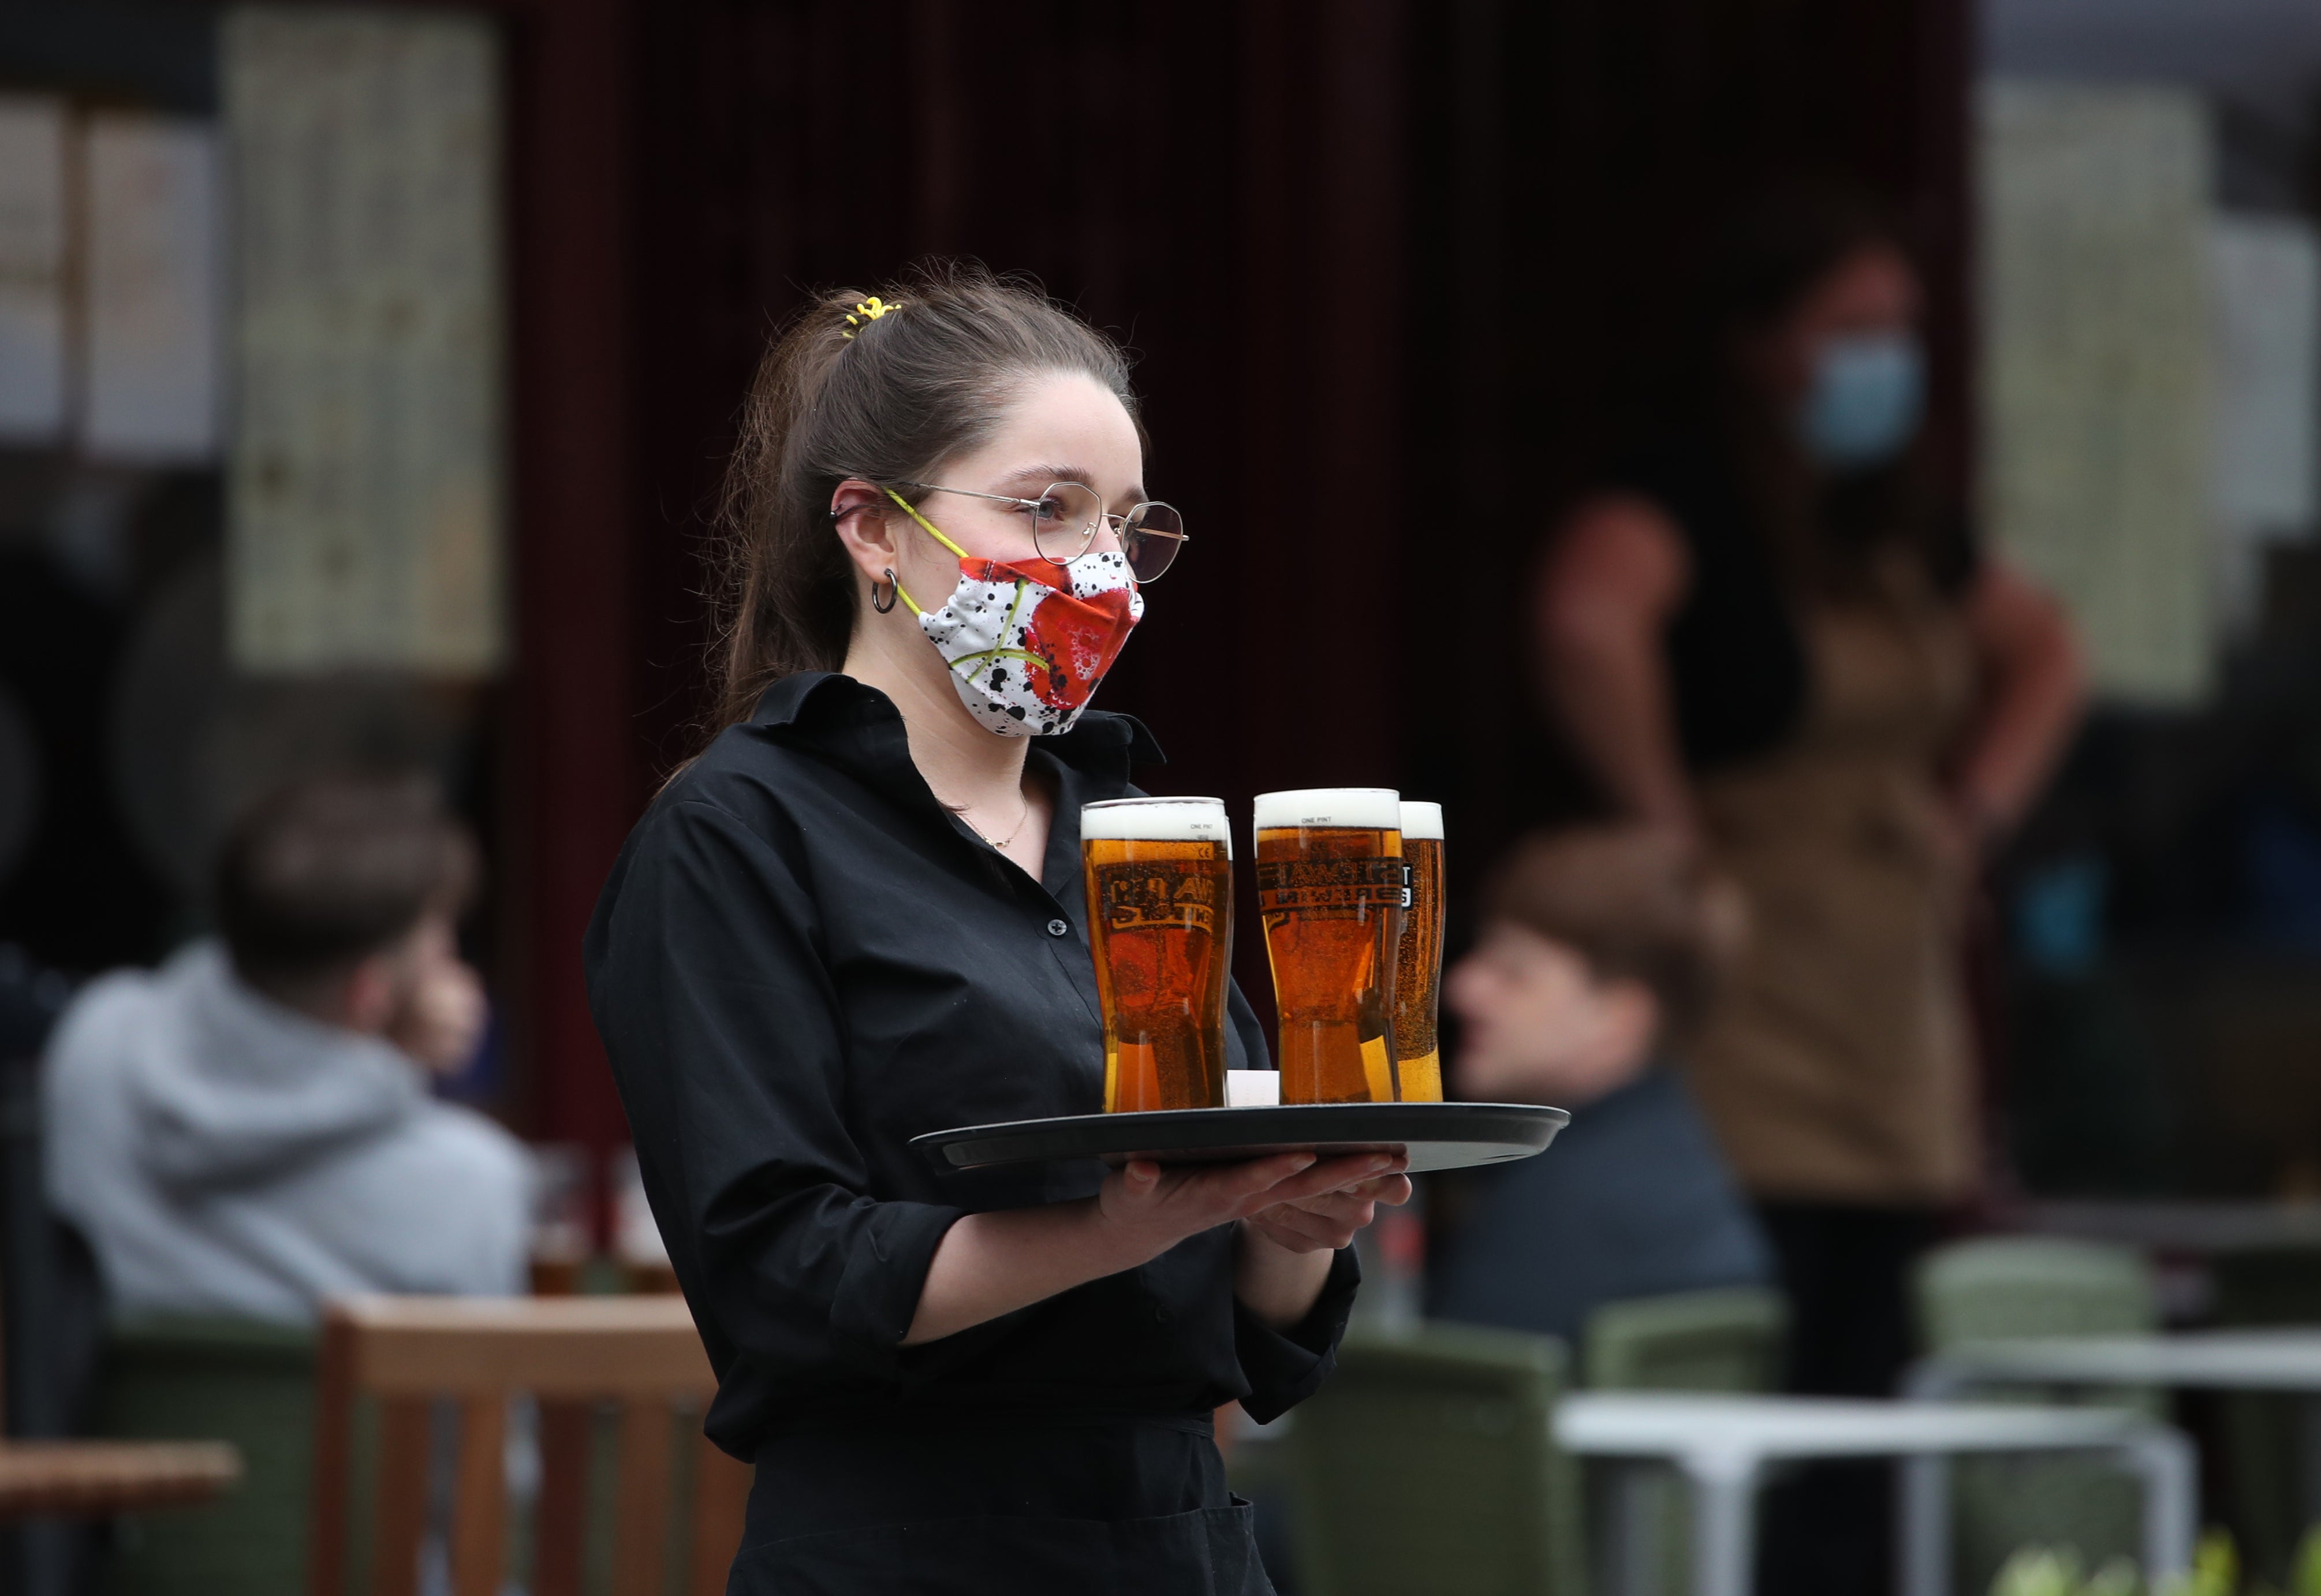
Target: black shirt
{"x":800,"y":961}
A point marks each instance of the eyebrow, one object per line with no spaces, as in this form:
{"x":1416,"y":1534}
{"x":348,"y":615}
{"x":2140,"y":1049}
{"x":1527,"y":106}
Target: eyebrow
{"x":1040,"y":475}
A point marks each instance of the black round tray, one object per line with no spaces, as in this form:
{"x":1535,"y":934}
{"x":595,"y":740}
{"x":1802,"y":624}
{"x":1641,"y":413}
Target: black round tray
{"x":1436,"y":1136}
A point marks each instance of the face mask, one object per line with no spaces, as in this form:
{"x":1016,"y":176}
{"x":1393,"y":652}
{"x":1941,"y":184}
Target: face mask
{"x":1027,"y":641}
{"x":1867,"y":395}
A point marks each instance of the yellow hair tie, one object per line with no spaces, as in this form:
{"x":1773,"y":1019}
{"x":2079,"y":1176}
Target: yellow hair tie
{"x":868,"y":310}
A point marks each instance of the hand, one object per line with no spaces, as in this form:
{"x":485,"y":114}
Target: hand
{"x":444,"y":1017}
{"x":1327,"y":1222}
{"x":1151,"y":1210}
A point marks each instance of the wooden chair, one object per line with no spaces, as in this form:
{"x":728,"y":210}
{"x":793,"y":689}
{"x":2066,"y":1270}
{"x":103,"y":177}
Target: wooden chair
{"x":572,"y":1355}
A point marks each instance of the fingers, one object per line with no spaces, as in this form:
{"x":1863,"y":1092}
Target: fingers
{"x":1262,"y":1174}
{"x":1332,"y":1206}
{"x":1301,"y":1229}
{"x":1287,"y":1240}
{"x":1336,"y":1174}
{"x":1228,"y":1186}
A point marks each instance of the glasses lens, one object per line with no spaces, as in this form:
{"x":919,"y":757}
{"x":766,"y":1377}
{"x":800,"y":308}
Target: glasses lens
{"x":1151,"y":539}
{"x":1066,"y":520}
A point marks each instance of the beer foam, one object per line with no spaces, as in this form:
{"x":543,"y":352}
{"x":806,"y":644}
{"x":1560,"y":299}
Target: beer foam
{"x":1422,"y":823}
{"x":1369,"y":808}
{"x":1158,"y":820}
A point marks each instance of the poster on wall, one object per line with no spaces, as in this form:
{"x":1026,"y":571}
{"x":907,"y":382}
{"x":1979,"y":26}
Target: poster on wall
{"x":149,"y":289}
{"x":2095,"y":368}
{"x":366,"y":487}
{"x":33,"y":129}
{"x":2266,"y":300}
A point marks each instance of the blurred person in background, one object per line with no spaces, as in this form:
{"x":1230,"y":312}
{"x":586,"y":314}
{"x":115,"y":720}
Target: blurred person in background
{"x":249,"y":1130}
{"x":1600,"y":952}
{"x":1776,"y":637}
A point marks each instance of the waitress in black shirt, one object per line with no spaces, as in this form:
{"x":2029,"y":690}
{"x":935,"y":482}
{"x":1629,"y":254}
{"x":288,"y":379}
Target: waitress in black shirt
{"x":856,"y":917}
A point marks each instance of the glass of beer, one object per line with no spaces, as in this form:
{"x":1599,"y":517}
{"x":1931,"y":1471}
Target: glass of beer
{"x":1330,"y":891}
{"x":1160,"y":895}
{"x":1418,"y":963}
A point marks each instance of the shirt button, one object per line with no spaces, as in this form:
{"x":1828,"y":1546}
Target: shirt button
{"x":1058,"y":928}
{"x":1162,"y":1315}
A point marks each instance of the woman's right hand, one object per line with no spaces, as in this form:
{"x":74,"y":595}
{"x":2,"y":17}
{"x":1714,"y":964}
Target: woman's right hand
{"x":991,"y":1264}
{"x":1150,"y":1208}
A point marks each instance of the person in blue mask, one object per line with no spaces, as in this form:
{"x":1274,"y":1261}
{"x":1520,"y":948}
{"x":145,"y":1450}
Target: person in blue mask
{"x":1773,"y":636}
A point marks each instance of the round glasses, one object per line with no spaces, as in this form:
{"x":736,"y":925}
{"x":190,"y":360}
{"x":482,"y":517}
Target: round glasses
{"x":1067,"y":515}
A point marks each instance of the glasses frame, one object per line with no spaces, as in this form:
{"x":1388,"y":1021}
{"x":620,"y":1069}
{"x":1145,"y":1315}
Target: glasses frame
{"x":1121,"y":526}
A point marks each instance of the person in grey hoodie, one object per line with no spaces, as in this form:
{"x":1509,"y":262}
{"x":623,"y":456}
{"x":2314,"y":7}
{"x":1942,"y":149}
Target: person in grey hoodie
{"x":249,"y":1130}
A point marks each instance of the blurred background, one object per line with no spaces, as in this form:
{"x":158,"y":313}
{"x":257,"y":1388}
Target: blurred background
{"x":367,"y":375}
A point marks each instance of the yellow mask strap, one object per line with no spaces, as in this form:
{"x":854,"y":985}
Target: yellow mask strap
{"x":933,"y":530}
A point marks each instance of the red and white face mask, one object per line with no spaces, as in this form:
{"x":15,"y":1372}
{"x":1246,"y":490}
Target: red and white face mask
{"x":1027,"y":641}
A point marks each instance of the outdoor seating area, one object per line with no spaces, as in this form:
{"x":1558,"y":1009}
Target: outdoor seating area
{"x":2041,"y":1417}
{"x":1284,"y":797}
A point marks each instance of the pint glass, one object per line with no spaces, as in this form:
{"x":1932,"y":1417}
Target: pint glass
{"x":1330,"y":892}
{"x":1160,"y":895}
{"x":1418,"y":966}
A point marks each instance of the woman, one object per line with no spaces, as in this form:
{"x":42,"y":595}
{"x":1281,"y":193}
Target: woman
{"x":1772,"y":638}
{"x":857,"y":917}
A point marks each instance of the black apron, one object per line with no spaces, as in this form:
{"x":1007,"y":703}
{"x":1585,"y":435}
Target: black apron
{"x":996,"y":1505}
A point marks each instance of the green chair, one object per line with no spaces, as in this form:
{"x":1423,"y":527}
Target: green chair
{"x":2266,"y":1434}
{"x":2006,"y":1288}
{"x":1727,"y":1340}
{"x":1425,"y":1466}
{"x":213,"y":1379}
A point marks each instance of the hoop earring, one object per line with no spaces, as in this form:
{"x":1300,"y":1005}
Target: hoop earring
{"x":892,"y":589}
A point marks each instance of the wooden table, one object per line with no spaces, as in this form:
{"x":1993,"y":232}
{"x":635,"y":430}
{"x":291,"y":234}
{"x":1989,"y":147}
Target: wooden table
{"x":92,"y":1478}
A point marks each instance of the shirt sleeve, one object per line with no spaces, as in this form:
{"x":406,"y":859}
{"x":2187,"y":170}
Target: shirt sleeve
{"x":1284,"y":1367}
{"x":723,"y":1025}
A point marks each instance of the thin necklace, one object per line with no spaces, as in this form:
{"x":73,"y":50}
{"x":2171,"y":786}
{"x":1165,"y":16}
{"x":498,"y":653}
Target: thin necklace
{"x":998,"y":845}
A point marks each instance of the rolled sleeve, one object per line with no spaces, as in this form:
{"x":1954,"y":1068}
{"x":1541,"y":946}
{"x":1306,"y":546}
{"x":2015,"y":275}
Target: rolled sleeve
{"x":879,"y":1289}
{"x":1284,"y":1367}
{"x":718,"y":1013}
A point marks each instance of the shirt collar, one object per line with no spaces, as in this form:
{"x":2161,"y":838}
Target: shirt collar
{"x":849,"y":717}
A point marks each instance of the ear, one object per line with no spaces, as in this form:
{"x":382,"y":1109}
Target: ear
{"x":860,"y":512}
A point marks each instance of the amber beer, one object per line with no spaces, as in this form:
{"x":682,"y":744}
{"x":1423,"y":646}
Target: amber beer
{"x":1330,"y":891}
{"x":1160,"y":894}
{"x":1418,"y":962}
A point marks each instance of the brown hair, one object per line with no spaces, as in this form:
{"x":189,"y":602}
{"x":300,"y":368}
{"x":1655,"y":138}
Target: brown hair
{"x":909,"y":390}
{"x":323,"y":873}
{"x":1633,"y":901}
{"x":1781,"y":242}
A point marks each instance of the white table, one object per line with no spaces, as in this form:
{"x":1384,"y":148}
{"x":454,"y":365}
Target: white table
{"x":2211,"y":1359}
{"x":1722,"y":1445}
{"x":2224,"y":1360}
